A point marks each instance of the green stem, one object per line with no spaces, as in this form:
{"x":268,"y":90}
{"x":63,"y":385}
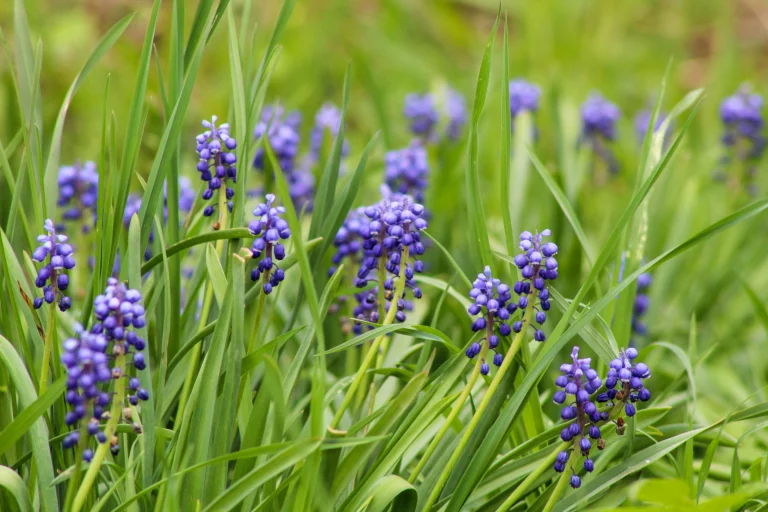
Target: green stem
{"x":398,"y":292}
{"x":50,"y":340}
{"x":257,"y":319}
{"x":564,"y":477}
{"x":518,"y":340}
{"x":452,"y":416}
{"x":533,"y":476}
{"x":207,"y":302}
{"x":109,"y":431}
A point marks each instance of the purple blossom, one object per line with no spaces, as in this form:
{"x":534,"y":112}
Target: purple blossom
{"x":52,"y":277}
{"x":598,"y":118}
{"x":426,"y":112}
{"x":422,"y":114}
{"x":406,"y":171}
{"x":579,"y":382}
{"x":328,"y":118}
{"x":78,"y":192}
{"x":217,"y":161}
{"x":492,"y":302}
{"x":537,"y":265}
{"x":269,"y":228}
{"x":456,"y":112}
{"x":282,"y":133}
{"x":643,"y":119}
{"x":629,"y":376}
{"x":523,"y":96}
{"x":743,"y":135}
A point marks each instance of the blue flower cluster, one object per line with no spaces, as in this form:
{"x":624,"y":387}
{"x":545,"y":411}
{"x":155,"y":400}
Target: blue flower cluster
{"x":52,"y":277}
{"x":579,"y":381}
{"x":643,"y":119}
{"x":217,"y":161}
{"x":492,"y":302}
{"x":523,"y":96}
{"x":269,"y":228}
{"x":78,"y":192}
{"x":642,"y":302}
{"x":406,"y":171}
{"x":598,"y":118}
{"x":631,"y":376}
{"x":424,"y":112}
{"x":282,"y":132}
{"x":537,"y":265}
{"x":328,"y":118}
{"x":88,"y":373}
{"x":744,"y":127}
{"x":347,"y":240}
{"x":87,"y":360}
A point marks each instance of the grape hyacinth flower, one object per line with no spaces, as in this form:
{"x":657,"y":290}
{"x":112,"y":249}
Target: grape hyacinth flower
{"x":217,"y":162}
{"x":301,"y":187}
{"x":456,"y":110}
{"x":406,"y":170}
{"x":642,"y":302}
{"x":537,"y":265}
{"x":119,"y":312}
{"x":78,"y":193}
{"x":523,"y":96}
{"x":422,"y":114}
{"x":391,"y":239}
{"x":491,"y":297}
{"x":743,"y":136}
{"x":598,"y":118}
{"x":629,"y":375}
{"x":328,"y":118}
{"x":643,"y":119}
{"x":580,"y":382}
{"x":269,"y":229}
{"x":348,"y":242}
{"x":52,"y":277}
{"x":282,"y":133}
{"x":88,"y":374}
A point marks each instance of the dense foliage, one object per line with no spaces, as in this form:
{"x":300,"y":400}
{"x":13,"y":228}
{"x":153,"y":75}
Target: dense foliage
{"x":503,"y":312}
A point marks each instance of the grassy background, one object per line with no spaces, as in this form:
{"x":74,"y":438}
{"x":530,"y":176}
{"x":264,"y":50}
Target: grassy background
{"x":569,"y":48}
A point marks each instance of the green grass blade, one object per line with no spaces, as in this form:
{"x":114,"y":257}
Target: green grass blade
{"x":506,"y":137}
{"x":38,"y":432}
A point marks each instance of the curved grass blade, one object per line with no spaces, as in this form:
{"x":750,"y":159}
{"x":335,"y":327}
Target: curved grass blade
{"x":14,"y":485}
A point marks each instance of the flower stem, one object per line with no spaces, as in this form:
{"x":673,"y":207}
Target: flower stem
{"x":533,"y":476}
{"x":508,"y":358}
{"x":257,"y":319}
{"x":564,"y":477}
{"x":50,"y":340}
{"x":452,"y":416}
{"x":207,"y":302}
{"x":398,"y":292}
{"x":109,"y":431}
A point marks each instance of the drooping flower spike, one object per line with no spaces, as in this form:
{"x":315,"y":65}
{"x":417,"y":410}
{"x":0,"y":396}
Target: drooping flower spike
{"x":269,"y":228}
{"x":406,"y":171}
{"x":52,"y":277}
{"x":78,"y":193}
{"x":217,"y":161}
{"x":598,"y":121}
{"x":537,"y":265}
{"x":491,"y":297}
{"x":628,"y":375}
{"x":579,"y":382}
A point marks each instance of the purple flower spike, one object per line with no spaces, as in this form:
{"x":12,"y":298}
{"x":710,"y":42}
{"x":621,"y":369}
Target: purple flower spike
{"x":491,"y":297}
{"x":629,"y":375}
{"x":269,"y":228}
{"x":580,"y":382}
{"x":427,"y":112}
{"x":523,"y":96}
{"x":52,"y":277}
{"x":538,"y":266}
{"x":282,"y":133}
{"x":78,"y":192}
{"x":744,"y":132}
{"x":598,"y":126}
{"x":217,"y":161}
{"x":327,"y":119}
{"x":406,"y":171}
